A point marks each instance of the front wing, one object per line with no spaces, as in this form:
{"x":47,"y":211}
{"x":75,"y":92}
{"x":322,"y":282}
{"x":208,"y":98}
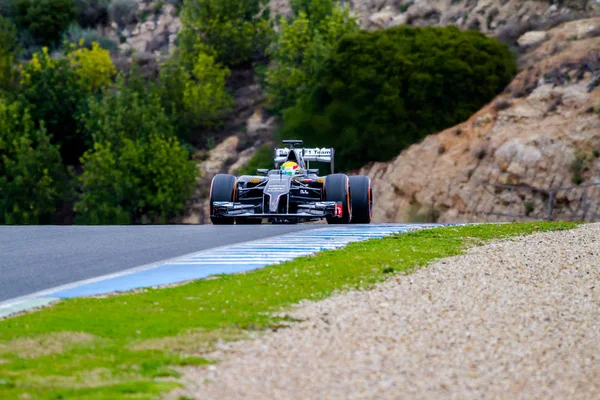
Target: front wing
{"x":320,"y":209}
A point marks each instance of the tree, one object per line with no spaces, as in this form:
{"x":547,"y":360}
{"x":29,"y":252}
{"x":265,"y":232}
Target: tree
{"x":383,"y":91}
{"x":45,"y":19}
{"x":56,"y":92}
{"x":127,"y":110}
{"x":52,"y":91}
{"x":303,"y":48}
{"x":31,"y":171}
{"x":137,"y":181}
{"x":238,"y":30}
{"x":315,"y":10}
{"x":195,"y":96}
{"x":94,"y":67}
{"x":137,"y":171}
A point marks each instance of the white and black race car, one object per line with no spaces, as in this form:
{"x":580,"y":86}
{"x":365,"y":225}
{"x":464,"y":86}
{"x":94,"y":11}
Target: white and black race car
{"x":281,"y":196}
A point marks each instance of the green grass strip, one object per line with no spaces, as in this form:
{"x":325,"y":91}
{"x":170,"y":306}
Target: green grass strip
{"x":127,"y":346}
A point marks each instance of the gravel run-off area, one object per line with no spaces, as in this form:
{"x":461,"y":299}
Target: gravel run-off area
{"x":516,"y":319}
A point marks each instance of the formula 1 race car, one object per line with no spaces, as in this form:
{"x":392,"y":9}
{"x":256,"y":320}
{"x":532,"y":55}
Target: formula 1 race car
{"x":292,"y":192}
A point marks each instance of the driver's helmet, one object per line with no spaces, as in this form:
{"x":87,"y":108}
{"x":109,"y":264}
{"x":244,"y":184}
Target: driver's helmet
{"x":290,"y":168}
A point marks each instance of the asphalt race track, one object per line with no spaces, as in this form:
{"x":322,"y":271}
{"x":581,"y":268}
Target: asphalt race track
{"x":36,"y":258}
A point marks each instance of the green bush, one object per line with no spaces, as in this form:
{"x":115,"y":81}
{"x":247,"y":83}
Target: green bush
{"x":137,"y":171}
{"x":52,"y":91}
{"x":139,"y":181}
{"x":194,"y":98}
{"x":45,"y":19}
{"x":316,"y":10}
{"x":301,"y":50}
{"x":75,"y":34}
{"x":238,"y":30}
{"x":92,"y":66}
{"x":127,"y":110}
{"x":383,"y":91}
{"x":31,"y":171}
{"x":578,"y":167}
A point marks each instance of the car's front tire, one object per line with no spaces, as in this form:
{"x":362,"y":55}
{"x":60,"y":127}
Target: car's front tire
{"x":222,"y":188}
{"x":362,"y":199}
{"x":337,"y":188}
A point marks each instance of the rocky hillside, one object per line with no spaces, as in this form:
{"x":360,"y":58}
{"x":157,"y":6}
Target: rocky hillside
{"x":505,"y":162}
{"x":505,"y":18}
{"x":539,"y":135}
{"x":497,"y":18}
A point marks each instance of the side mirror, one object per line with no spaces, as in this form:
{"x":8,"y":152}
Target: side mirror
{"x":262,"y":171}
{"x":313,"y":171}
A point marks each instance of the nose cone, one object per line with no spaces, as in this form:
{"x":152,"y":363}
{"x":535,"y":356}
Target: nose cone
{"x":273,"y":204}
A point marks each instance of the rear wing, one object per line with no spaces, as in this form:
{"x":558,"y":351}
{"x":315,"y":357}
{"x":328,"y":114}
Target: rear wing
{"x":324,"y":155}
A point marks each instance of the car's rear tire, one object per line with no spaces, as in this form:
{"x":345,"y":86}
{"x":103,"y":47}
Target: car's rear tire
{"x":362,"y":199}
{"x":222,"y":188}
{"x":337,"y":188}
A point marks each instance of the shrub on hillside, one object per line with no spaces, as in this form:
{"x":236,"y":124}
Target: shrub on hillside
{"x":137,"y":181}
{"x":194,"y":95}
{"x":75,"y":34}
{"x":44,"y":19}
{"x":127,"y":110}
{"x":238,"y":30}
{"x":205,"y":95}
{"x":137,"y":171}
{"x":52,"y":91}
{"x":383,"y":91}
{"x":31,"y":171}
{"x":301,"y":51}
{"x":94,"y":67}
{"x":56,"y":91}
{"x":316,"y":10}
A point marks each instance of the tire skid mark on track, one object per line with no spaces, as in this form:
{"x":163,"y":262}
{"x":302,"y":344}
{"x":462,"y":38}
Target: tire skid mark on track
{"x":234,"y":258}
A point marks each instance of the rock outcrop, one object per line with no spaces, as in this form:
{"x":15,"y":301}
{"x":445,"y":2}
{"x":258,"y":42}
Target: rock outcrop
{"x":507,"y":18}
{"x":153,"y":28}
{"x":518,"y":154}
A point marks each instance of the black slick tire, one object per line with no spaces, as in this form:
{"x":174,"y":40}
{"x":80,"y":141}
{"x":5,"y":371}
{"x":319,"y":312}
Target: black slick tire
{"x":222,"y":188}
{"x":362,"y":199}
{"x":337,"y":188}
